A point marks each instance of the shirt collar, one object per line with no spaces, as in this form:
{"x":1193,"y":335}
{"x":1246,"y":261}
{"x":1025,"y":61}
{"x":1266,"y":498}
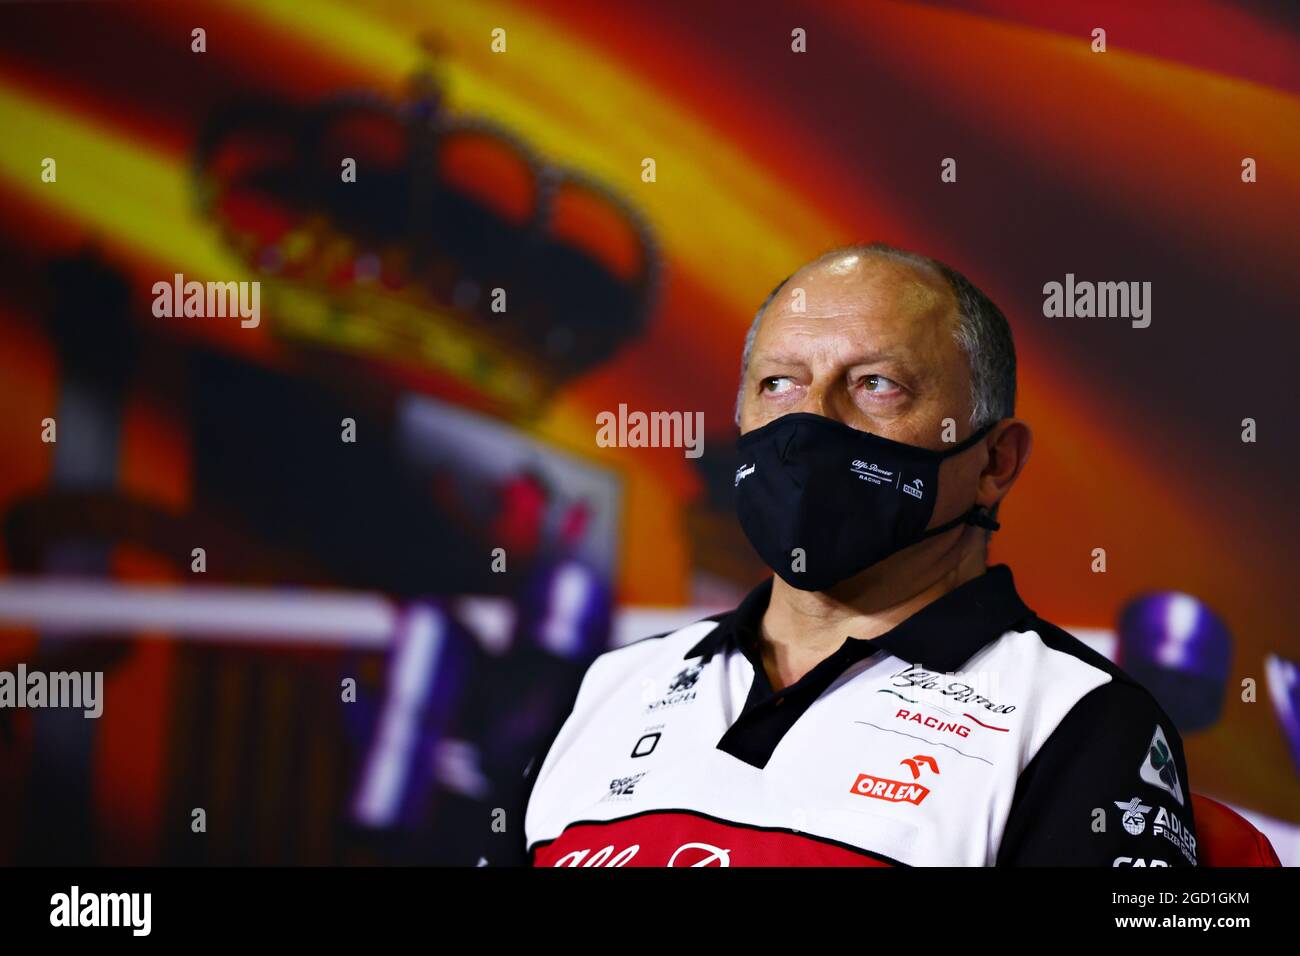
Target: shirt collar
{"x":941,"y":636}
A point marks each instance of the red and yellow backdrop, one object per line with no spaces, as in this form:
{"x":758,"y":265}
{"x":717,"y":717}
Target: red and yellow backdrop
{"x":1122,"y":166}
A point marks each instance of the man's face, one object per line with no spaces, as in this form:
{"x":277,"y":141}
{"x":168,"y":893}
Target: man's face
{"x":875,"y":349}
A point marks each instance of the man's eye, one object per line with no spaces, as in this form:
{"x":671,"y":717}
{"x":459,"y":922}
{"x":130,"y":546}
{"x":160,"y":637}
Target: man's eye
{"x":775,"y":384}
{"x":879,"y":385}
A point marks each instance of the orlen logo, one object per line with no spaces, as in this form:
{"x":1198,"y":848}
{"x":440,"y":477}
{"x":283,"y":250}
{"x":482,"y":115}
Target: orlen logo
{"x":896,"y":791}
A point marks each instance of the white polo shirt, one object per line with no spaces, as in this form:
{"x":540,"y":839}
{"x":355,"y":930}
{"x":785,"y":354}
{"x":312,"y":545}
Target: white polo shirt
{"x":972,"y":734}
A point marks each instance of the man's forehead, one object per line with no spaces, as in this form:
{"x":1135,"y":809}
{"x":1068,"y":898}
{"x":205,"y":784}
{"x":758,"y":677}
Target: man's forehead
{"x":851,"y":275}
{"x":895,"y":299}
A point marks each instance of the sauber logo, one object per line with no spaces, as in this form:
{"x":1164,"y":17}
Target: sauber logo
{"x":897,"y":791}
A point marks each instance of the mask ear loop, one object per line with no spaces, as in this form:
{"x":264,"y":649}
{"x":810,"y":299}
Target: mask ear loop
{"x":980,"y":517}
{"x":970,"y":441}
{"x":977,"y":515}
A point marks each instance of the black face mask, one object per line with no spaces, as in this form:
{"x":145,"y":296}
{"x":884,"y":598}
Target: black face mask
{"x":847,"y":498}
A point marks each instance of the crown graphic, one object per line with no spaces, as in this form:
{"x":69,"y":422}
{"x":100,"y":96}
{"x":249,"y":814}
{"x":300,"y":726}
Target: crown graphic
{"x":455,"y":250}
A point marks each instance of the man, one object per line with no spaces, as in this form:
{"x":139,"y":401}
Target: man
{"x":886,"y":698}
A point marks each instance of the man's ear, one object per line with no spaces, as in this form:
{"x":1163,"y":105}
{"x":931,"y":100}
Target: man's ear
{"x":1008,"y":444}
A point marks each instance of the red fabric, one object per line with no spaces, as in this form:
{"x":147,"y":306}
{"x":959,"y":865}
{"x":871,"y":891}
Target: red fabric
{"x":675,"y":838}
{"x":1226,"y":838}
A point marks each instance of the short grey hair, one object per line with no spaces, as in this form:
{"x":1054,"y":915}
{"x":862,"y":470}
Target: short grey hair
{"x":983,"y":333}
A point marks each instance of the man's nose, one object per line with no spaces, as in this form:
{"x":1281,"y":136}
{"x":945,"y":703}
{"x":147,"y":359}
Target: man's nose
{"x":819,"y":400}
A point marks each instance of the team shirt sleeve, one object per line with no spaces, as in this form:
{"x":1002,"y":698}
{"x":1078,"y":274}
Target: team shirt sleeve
{"x":1109,"y":787}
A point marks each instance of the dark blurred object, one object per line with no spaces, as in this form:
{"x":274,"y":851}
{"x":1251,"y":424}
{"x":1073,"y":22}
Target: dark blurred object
{"x":427,"y":676}
{"x":88,"y":318}
{"x":1283,"y":678}
{"x":563,"y":621}
{"x":1179,"y":649}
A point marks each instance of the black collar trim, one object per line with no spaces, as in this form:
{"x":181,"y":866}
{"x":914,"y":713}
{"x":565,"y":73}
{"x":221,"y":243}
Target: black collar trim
{"x":941,"y":636}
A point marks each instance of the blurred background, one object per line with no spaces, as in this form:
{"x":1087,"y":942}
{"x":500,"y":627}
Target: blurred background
{"x":522,"y":169}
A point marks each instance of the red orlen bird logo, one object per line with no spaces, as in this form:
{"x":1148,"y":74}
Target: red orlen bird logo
{"x":916,"y":763}
{"x":897,"y":791}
